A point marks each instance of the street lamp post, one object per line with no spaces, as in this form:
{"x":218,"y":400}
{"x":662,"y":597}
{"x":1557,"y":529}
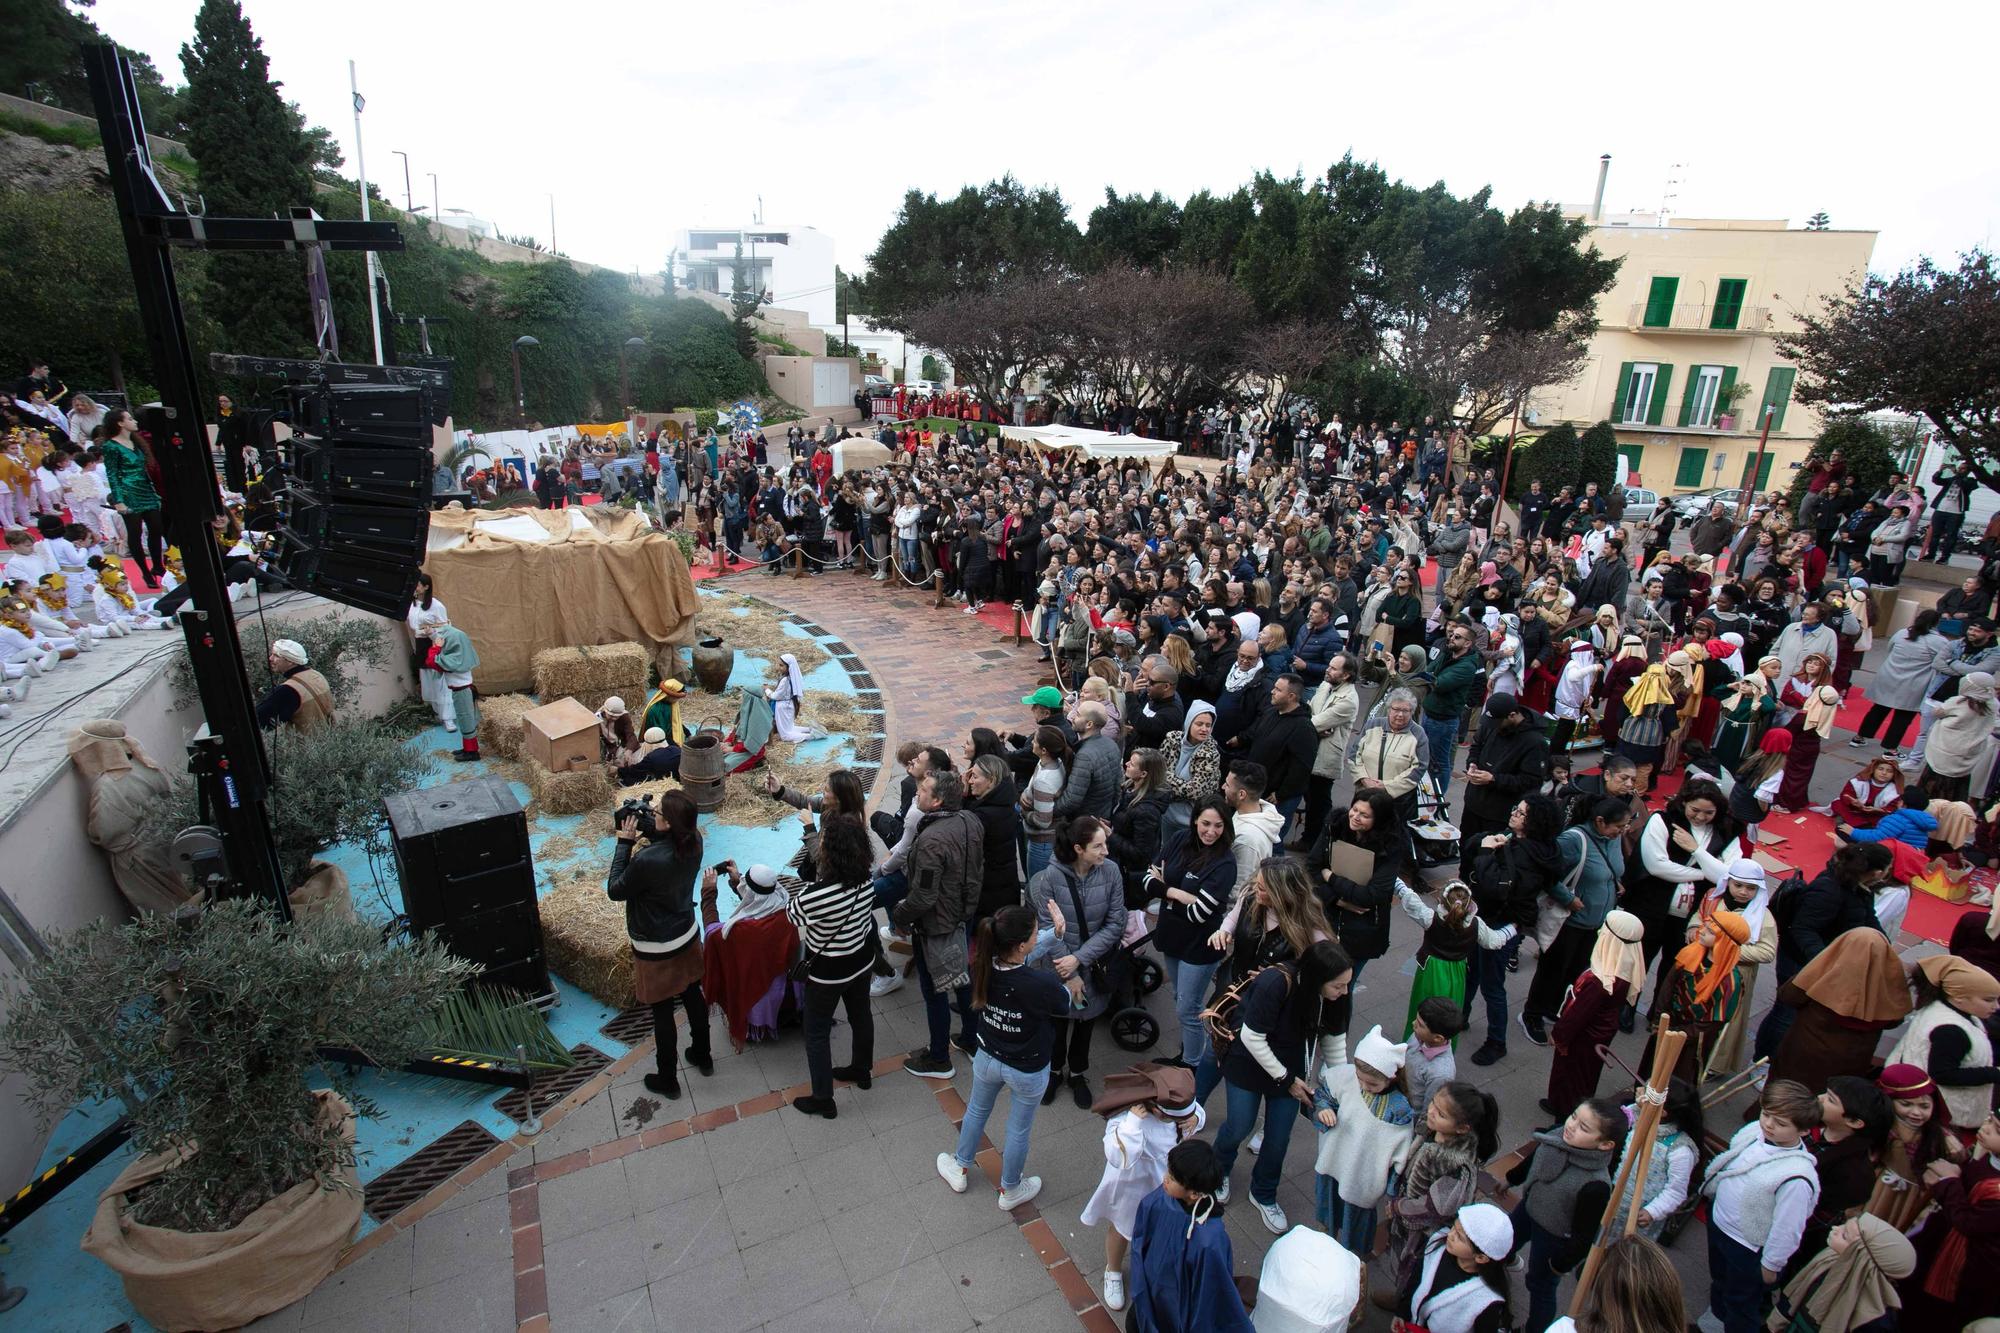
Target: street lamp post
{"x":408,"y":206}
{"x":437,"y":214}
{"x":624,"y":387}
{"x":1756,"y":466}
{"x":361,"y":170}
{"x":520,"y":398}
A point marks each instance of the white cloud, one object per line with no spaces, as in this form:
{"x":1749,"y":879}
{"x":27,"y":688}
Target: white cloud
{"x":642,"y":119}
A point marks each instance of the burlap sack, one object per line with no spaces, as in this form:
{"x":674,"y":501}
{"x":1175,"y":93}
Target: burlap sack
{"x":183,"y":1280}
{"x":125,"y":786}
{"x":324,"y":893}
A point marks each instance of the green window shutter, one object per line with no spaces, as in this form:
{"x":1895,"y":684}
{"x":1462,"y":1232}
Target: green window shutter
{"x":1777,"y":394}
{"x":1624,"y":384}
{"x":1688,"y":395}
{"x":1660,"y":302}
{"x":1661,"y":380}
{"x":1728,"y":303}
{"x":1635,"y":454}
{"x":1764,"y":472}
{"x":1722,"y":395}
{"x":1693,"y":467}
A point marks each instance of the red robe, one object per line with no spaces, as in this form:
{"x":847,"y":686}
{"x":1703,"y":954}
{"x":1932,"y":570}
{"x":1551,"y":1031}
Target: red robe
{"x":1589,"y":1017}
{"x":822,"y":469}
{"x":1858,"y":792}
{"x":740,"y":969}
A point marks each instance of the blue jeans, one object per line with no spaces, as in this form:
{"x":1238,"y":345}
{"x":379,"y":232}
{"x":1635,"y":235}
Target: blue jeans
{"x":1488,"y":973}
{"x":1190,"y":983}
{"x":1443,"y":736}
{"x":1736,"y":1291}
{"x":909,"y":548}
{"x":1352,"y":1226}
{"x":1542,"y":1278}
{"x":1280,"y":1114}
{"x":938,"y":1007}
{"x":988,"y":1074}
{"x":1289,"y":808}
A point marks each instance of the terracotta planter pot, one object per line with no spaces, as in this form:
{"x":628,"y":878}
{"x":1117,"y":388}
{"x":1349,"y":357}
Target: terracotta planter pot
{"x":184,"y":1280}
{"x":713,"y":661}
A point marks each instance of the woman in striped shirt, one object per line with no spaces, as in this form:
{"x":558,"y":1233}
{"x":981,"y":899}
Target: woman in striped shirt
{"x":835,"y":918}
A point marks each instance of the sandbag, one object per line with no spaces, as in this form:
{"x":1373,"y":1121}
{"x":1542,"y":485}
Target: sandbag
{"x":186,"y":1280}
{"x":125,"y":787}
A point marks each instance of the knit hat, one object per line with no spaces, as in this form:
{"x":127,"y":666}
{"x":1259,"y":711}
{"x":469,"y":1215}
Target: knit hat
{"x":1379,"y":1053}
{"x":1489,"y":1229}
{"x":290,"y":650}
{"x":1905,"y":1083}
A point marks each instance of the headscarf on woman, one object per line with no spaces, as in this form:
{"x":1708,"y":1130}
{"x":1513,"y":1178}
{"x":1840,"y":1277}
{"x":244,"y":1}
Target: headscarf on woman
{"x":1617,"y":953}
{"x":1855,"y":1287}
{"x":1184,"y":761}
{"x":1651,"y":688}
{"x":1732,"y":932}
{"x":1858,"y":976}
{"x":1693,"y":672}
{"x":1960,"y":981}
{"x":1821,"y":708}
{"x":1776,"y":741}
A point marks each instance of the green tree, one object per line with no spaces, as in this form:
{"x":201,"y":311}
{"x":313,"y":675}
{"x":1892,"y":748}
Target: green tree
{"x":1869,"y":452}
{"x":1926,"y":342}
{"x":1543,"y":269}
{"x":79,"y":265}
{"x":254,"y":161}
{"x":1555,"y":459}
{"x":932,"y":369}
{"x":1131,"y":229}
{"x":743,"y":303}
{"x":42,"y":60}
{"x":1598,"y":459}
{"x":1212,"y":227}
{"x":937,"y":249}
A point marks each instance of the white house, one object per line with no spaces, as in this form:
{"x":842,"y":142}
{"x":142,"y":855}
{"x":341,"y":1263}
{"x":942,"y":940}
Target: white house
{"x":792,"y":266}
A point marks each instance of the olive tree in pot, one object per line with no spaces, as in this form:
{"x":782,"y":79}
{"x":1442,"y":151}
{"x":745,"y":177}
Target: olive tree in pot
{"x":208,"y":1022}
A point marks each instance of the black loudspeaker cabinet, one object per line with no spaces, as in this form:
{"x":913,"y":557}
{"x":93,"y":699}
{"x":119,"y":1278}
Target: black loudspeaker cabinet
{"x":468,"y":874}
{"x":391,"y":414}
{"x":362,"y":473}
{"x":379,"y":586}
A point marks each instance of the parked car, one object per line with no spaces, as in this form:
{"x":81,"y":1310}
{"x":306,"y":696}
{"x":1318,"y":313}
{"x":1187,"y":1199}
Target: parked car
{"x":1640,"y":505}
{"x":1693,"y":505}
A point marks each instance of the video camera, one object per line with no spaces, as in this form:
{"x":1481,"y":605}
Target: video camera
{"x":640,"y":807}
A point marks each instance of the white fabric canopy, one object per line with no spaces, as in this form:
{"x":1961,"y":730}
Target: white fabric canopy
{"x":1094,"y":443}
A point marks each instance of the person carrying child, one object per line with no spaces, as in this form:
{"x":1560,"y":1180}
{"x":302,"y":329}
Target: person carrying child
{"x":1666,"y":1181}
{"x":1762,"y":1190}
{"x":1452,"y":930}
{"x":1182,"y":1264}
{"x":1148,"y":1110}
{"x":1460,"y":1130}
{"x":1460,"y":1284}
{"x":1565,"y":1181}
{"x":1365,"y":1124}
{"x":1589,"y":1015}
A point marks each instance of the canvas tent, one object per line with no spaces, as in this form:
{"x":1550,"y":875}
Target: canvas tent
{"x":1093,"y":443}
{"x":521,"y":580}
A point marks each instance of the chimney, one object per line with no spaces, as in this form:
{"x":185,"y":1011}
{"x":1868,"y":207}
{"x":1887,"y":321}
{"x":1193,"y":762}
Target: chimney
{"x":1603,"y":174}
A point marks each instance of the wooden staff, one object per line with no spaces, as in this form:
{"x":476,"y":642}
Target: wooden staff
{"x":1667,"y":1044}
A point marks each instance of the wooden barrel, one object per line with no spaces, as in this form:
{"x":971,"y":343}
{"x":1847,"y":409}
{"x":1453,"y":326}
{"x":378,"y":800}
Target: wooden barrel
{"x":704,"y":766}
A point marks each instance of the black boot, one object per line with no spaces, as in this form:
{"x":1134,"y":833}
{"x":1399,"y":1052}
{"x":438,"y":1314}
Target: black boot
{"x":666,"y":1085}
{"x":700,"y":1060}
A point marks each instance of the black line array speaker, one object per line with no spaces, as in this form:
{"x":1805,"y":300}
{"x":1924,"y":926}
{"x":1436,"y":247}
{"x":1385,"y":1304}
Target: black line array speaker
{"x":468,"y":874}
{"x":362,"y":473}
{"x":392,"y":414}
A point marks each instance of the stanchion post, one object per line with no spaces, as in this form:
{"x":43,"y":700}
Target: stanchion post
{"x":1018,"y":622}
{"x":937,"y":579}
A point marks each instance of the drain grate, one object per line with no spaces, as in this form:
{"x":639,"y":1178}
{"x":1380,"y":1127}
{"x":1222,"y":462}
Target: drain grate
{"x":552,"y":1088}
{"x":864,"y":680}
{"x":993,"y":654}
{"x":414,"y":1177}
{"x":631,"y":1027}
{"x":868,"y":751}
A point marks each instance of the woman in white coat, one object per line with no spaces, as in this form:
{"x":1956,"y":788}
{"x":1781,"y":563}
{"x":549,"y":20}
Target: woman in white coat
{"x":426,"y":614}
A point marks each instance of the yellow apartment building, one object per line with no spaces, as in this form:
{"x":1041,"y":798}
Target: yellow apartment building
{"x":1685,"y":359}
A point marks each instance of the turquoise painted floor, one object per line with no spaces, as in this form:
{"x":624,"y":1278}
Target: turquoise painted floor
{"x":69,"y":1292}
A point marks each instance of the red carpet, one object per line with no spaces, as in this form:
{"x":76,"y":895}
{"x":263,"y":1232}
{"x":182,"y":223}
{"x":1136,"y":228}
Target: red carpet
{"x":1933,"y":918}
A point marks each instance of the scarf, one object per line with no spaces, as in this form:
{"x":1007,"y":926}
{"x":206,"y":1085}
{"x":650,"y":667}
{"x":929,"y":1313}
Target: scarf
{"x":1949,"y":1266}
{"x":1617,"y":953}
{"x":1857,"y":1287}
{"x":1184,"y":761}
{"x":1732,"y":933}
{"x":1651,"y":688}
{"x":675,"y":732}
{"x":1858,"y":977}
{"x":1239,"y":677}
{"x":1820,"y":709}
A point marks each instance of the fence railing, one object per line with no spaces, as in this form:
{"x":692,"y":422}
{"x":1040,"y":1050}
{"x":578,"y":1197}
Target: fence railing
{"x":1698,"y":318}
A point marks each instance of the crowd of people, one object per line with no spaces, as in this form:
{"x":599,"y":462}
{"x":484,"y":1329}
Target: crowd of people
{"x":1288,"y":698}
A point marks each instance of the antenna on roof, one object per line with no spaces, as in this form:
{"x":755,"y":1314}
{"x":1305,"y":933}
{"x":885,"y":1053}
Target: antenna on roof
{"x":1672,"y":192}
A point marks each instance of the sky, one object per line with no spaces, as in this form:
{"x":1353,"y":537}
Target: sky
{"x":642,"y":119}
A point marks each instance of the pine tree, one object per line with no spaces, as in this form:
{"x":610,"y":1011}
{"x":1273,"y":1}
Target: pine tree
{"x":1599,"y":458}
{"x":253,"y":162}
{"x":743,"y":303}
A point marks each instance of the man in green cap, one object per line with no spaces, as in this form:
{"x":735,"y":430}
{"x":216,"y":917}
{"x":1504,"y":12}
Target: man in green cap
{"x":1046,"y":706}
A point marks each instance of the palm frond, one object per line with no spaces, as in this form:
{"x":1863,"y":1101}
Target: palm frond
{"x":486,"y":1023}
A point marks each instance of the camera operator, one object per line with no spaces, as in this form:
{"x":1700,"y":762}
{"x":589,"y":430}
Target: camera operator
{"x":656,"y":883}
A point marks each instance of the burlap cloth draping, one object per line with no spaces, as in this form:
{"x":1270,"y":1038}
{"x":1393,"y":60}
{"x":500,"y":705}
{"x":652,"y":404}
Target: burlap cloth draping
{"x":599,"y":578}
{"x":225,"y":1279}
{"x":124,"y":787}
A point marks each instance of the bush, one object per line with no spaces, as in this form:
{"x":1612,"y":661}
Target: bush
{"x":217,"y":1021}
{"x":1869,"y":452}
{"x":338,"y":647}
{"x":1555,"y":459}
{"x":1599,"y":459}
{"x":705,"y":418}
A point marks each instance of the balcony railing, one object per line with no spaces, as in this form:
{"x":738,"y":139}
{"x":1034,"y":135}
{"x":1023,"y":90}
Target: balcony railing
{"x":1699,"y":319}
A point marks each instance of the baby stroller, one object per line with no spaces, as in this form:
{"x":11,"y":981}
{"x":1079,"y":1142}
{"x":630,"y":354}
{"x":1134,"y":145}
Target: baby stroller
{"x":1135,"y":976}
{"x":1433,"y":838}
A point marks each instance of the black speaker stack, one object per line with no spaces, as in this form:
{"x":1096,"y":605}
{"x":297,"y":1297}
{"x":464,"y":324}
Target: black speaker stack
{"x":468,"y":875}
{"x":357,"y":497}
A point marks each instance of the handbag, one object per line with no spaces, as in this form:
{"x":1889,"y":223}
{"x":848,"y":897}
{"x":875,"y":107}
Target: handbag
{"x":1107,"y":975}
{"x":801,"y":970}
{"x":1550,"y":914}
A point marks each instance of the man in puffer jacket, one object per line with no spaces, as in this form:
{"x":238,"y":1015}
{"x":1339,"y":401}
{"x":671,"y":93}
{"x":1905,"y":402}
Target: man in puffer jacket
{"x":946,"y":867}
{"x":1097,"y":770}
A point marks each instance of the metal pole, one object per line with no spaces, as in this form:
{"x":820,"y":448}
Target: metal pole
{"x":437,"y":214}
{"x":1756,"y":465}
{"x":361,"y":170}
{"x":1506,"y":465}
{"x":552,"y":226}
{"x":520,"y":400}
{"x":408,"y":206}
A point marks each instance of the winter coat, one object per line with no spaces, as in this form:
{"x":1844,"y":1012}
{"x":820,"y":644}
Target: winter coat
{"x":1100,"y":899}
{"x":1710,"y":536}
{"x":1286,"y":745}
{"x":1135,"y":836}
{"x":1903,"y":680}
{"x":1452,"y":684}
{"x":1333,"y":712}
{"x":1359,"y":912}
{"x":1003,"y":853}
{"x":1313,"y":649}
{"x":1517,"y":759}
{"x":1094,"y":778}
{"x":1204,"y":777}
{"x":946,"y":867}
{"x":1508,"y":881}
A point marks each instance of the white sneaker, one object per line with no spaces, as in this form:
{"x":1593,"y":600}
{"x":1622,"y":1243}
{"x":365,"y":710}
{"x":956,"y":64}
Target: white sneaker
{"x":450,"y":725}
{"x":1820,"y":809}
{"x":1114,"y":1291}
{"x":953,"y":1173}
{"x":1256,"y":1144}
{"x":1222,"y":1194}
{"x":1275,"y":1221}
{"x":1011,"y":1199}
{"x":881,"y":986}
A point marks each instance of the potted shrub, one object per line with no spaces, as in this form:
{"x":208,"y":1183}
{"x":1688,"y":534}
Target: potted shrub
{"x":207,"y":1021}
{"x":1725,"y":404}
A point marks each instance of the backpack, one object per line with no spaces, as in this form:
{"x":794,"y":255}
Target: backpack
{"x":1224,"y":1018}
{"x":1785,"y":899}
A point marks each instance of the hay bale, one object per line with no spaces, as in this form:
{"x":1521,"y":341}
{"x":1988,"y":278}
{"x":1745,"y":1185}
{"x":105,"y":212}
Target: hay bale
{"x":586,"y":669}
{"x":634,"y":693}
{"x":570,"y":793}
{"x":500,"y":723}
{"x":758,"y":632}
{"x":841,"y":713}
{"x":583,"y":935}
